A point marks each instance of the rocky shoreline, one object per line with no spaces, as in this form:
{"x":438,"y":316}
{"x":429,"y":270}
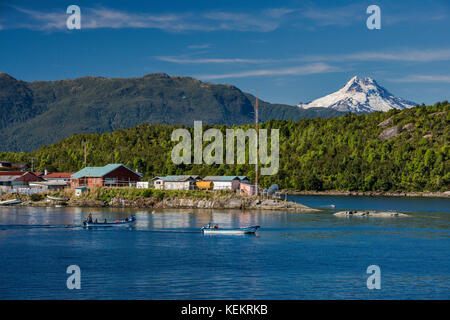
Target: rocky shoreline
{"x":239,"y":203}
{"x":444,"y":194}
{"x":370,"y":213}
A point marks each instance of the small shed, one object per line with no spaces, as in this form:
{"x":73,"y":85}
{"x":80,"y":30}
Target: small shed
{"x":142,"y":185}
{"x":49,"y":185}
{"x":226,"y":182}
{"x":247,"y":189}
{"x":205,"y":185}
{"x":79,"y":191}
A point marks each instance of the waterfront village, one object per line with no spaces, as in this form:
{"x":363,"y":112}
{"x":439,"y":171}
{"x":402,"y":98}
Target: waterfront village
{"x":27,"y":182}
{"x":116,"y":185}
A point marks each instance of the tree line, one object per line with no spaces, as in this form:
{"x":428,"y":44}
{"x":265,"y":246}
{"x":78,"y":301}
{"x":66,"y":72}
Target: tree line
{"x":342,"y":153}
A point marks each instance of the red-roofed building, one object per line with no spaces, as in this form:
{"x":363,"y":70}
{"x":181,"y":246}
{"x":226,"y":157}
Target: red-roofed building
{"x":58,"y":176}
{"x":20,"y":178}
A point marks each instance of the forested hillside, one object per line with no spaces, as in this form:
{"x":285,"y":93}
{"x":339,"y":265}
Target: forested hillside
{"x":404,"y":150}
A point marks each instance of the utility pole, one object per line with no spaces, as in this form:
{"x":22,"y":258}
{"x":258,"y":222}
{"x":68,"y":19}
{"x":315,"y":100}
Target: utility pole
{"x":32,"y":164}
{"x":256,"y":146}
{"x":85,"y":151}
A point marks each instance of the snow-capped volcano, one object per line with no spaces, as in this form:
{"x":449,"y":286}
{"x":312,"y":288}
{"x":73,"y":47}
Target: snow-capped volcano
{"x":360,"y":95}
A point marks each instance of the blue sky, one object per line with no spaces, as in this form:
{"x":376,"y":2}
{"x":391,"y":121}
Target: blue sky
{"x":287,"y":51}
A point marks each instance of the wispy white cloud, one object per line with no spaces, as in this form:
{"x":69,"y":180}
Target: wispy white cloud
{"x":183,"y":60}
{"x":296,"y":70}
{"x":94,"y":18}
{"x":279,"y":12}
{"x":422,"y":78}
{"x":199,"y":46}
{"x":410,"y":55}
{"x":337,"y":16}
{"x":39,"y":20}
{"x":242,"y":21}
{"x":404,"y":55}
{"x":265,"y":20}
{"x":356,"y":14}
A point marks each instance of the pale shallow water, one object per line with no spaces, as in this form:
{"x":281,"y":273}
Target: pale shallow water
{"x":294,"y":256}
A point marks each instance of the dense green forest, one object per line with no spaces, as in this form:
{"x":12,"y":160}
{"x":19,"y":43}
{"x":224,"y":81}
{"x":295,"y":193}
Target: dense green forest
{"x":405,"y":150}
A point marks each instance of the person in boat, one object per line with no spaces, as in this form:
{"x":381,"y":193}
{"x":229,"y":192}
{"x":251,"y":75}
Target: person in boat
{"x":90,"y":218}
{"x":216,"y":226}
{"x":126,"y":219}
{"x":105,"y":221}
{"x":96,"y":221}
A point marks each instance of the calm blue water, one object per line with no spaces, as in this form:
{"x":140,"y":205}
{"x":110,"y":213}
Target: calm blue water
{"x":295,"y":256}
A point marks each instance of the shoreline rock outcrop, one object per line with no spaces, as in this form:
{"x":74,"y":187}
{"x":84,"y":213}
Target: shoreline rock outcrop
{"x":239,"y":203}
{"x":367,"y":213}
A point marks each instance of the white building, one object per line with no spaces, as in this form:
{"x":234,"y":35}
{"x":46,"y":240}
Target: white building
{"x":176,"y":182}
{"x":58,"y":176}
{"x":226,"y":182}
{"x":142,"y":185}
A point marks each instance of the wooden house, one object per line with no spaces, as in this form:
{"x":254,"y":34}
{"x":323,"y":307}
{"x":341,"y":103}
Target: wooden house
{"x":111,"y":175}
{"x":17,"y":178}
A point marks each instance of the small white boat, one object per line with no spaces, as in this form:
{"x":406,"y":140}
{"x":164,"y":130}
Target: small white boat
{"x":10,"y":202}
{"x":57,"y":199}
{"x":117,"y":223}
{"x":244,"y":230}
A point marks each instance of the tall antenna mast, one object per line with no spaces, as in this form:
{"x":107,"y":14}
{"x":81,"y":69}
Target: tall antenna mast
{"x":85,"y":151}
{"x":256,"y":146}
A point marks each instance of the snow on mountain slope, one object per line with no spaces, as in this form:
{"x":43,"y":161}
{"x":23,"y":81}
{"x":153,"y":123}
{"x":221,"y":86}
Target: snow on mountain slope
{"x":360,"y":95}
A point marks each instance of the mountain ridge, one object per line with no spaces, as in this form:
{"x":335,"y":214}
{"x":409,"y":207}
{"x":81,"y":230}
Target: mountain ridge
{"x":37,"y":113}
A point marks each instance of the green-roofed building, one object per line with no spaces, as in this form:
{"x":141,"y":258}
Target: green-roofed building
{"x":111,"y":175}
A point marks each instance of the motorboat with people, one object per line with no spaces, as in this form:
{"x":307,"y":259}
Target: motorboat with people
{"x":214,"y":229}
{"x":90,"y":222}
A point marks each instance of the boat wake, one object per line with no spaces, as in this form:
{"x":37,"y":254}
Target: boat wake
{"x":38,"y":226}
